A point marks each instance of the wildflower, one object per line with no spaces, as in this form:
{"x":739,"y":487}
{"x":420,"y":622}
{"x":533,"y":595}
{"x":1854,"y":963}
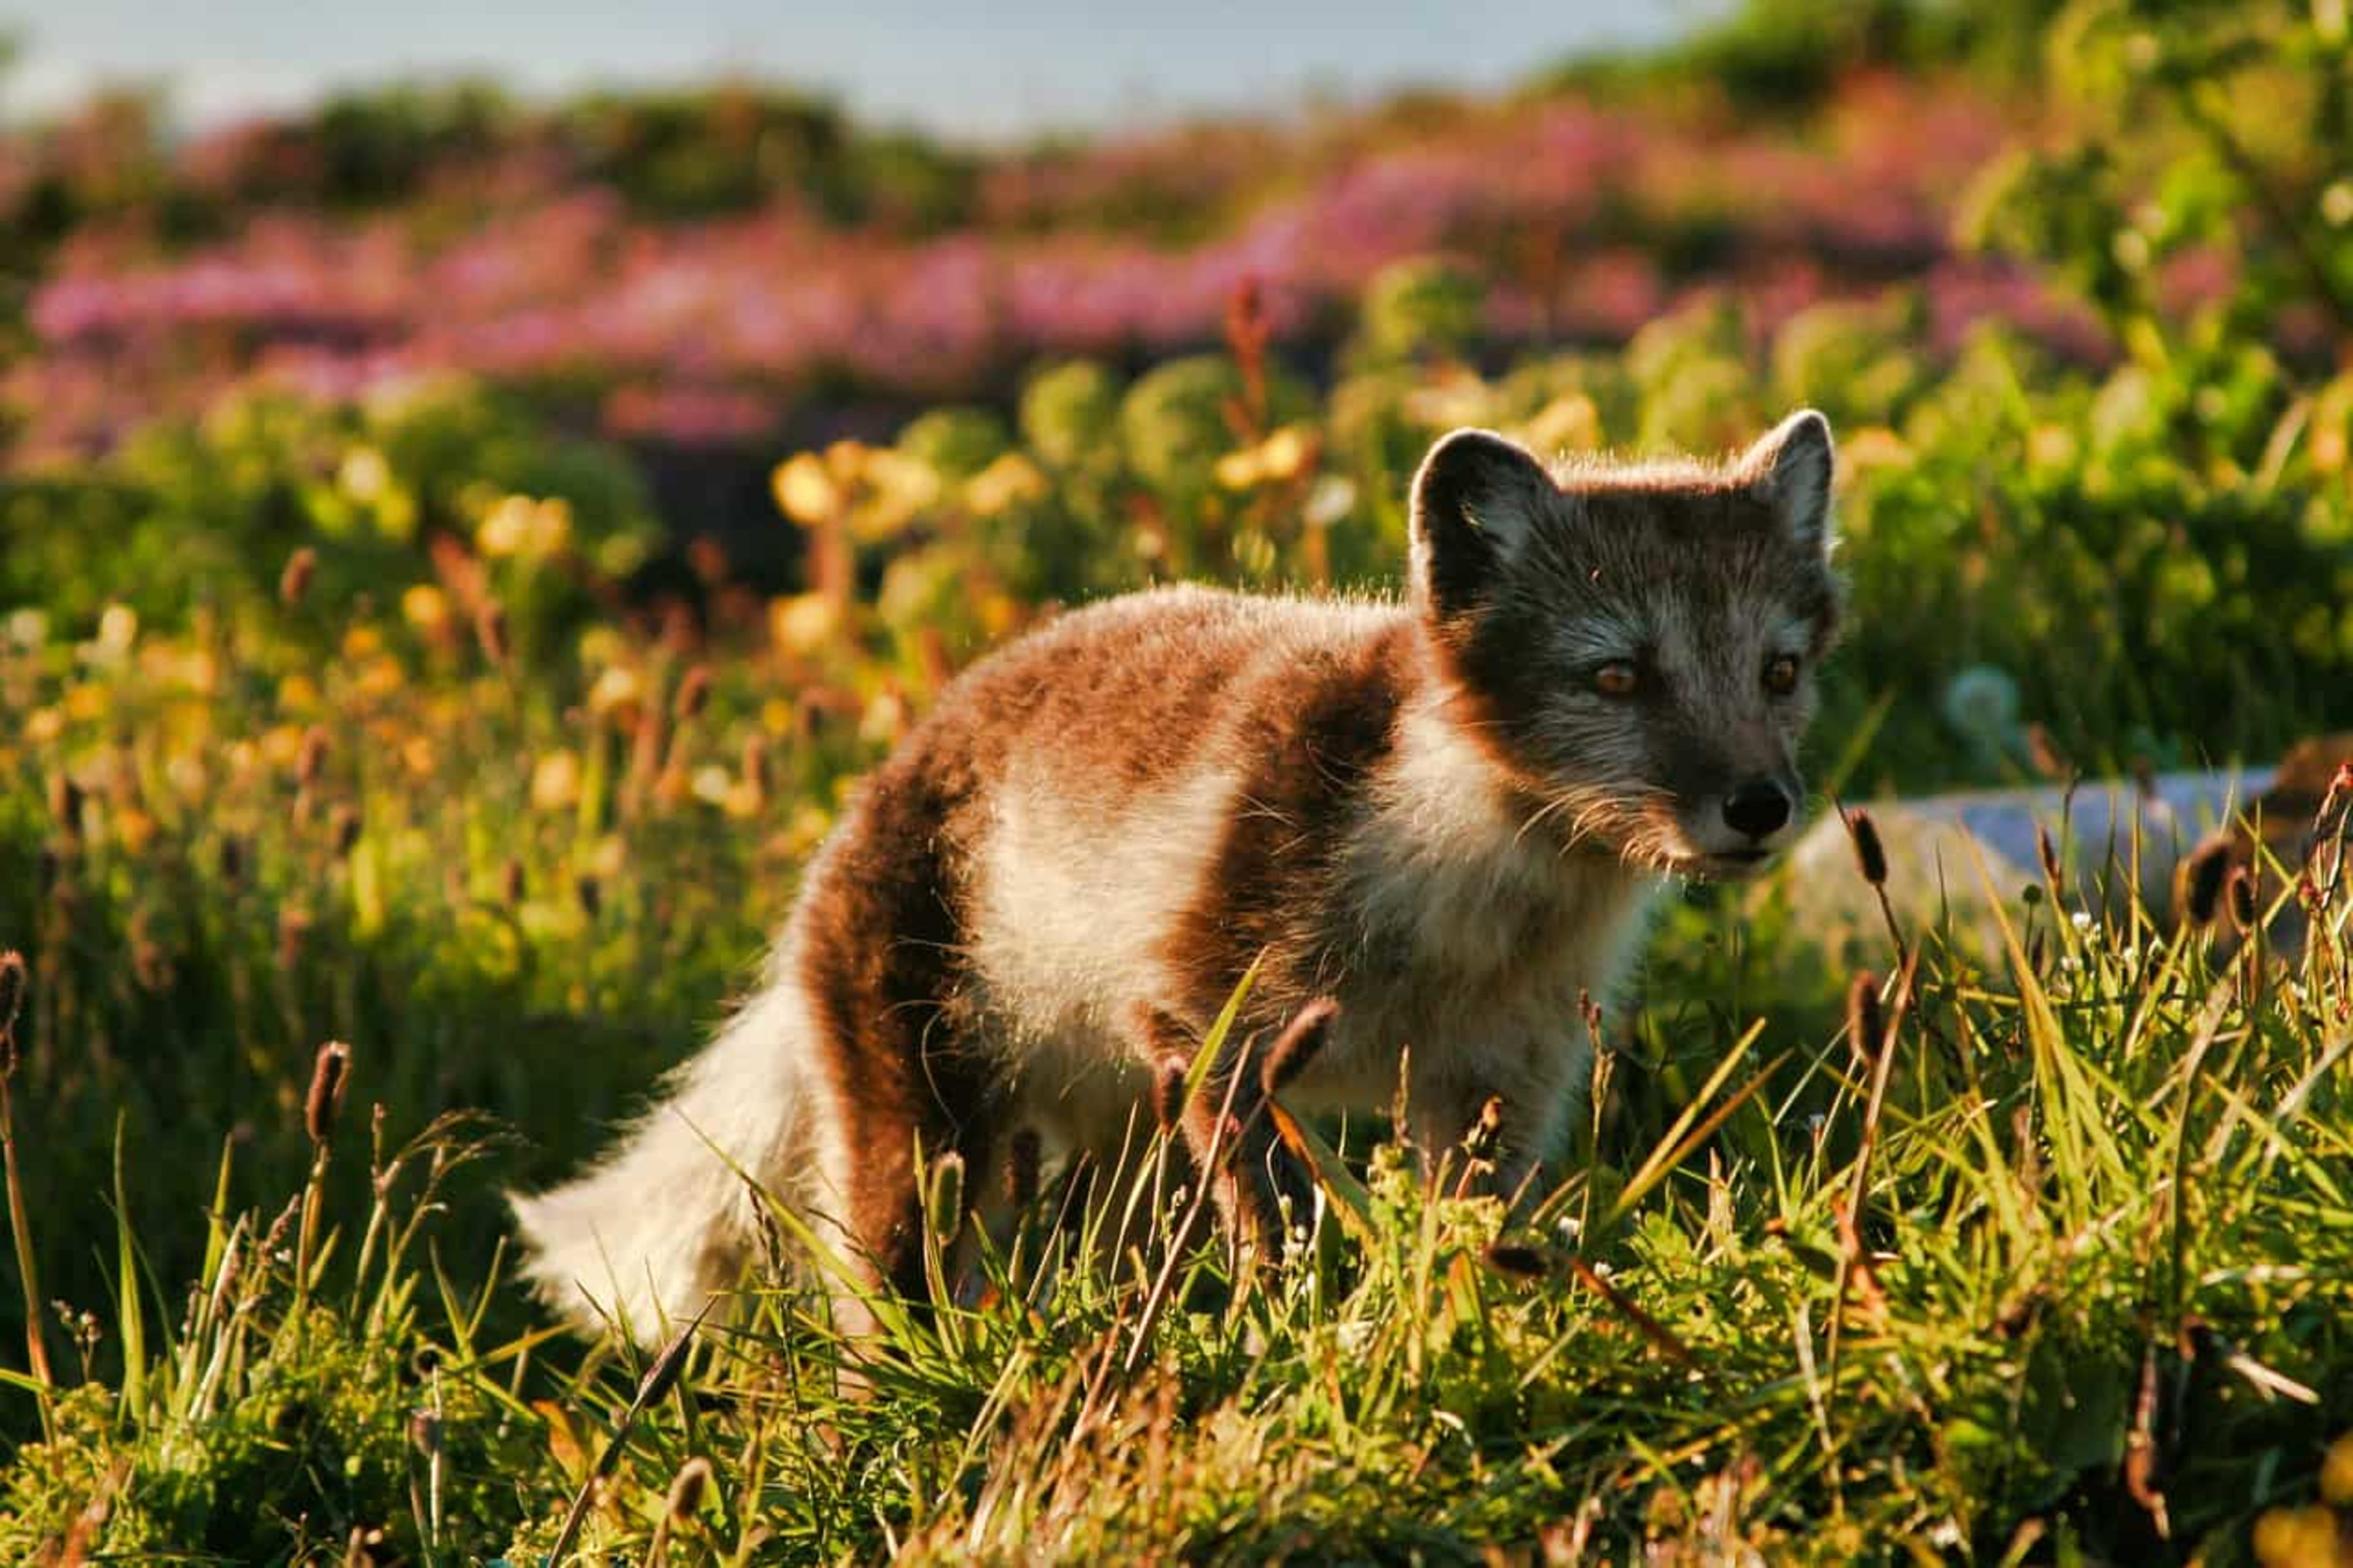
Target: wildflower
{"x":616,"y":687}
{"x":555,"y":782}
{"x":1982,"y":703}
{"x":804,"y":491}
{"x":118,"y":628}
{"x":363,"y":475}
{"x":2335,"y":1468}
{"x":803,"y":624}
{"x":425,"y":607}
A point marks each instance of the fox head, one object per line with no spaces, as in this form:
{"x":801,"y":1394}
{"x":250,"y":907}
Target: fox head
{"x":1636,"y":647}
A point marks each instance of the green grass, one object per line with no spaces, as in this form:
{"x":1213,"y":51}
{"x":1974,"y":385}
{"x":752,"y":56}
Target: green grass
{"x":2101,"y":1212}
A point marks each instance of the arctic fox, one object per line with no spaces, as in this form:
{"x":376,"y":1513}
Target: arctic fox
{"x":1448,"y":814}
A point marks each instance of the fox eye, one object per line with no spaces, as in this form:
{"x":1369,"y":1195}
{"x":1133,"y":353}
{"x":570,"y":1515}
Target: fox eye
{"x":1616,"y":678}
{"x":1781,"y":675}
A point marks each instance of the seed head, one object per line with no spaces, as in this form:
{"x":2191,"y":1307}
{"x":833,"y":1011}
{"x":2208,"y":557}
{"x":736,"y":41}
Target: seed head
{"x":693,"y":693}
{"x":1022,"y":1158}
{"x":325,"y":1100}
{"x":293,"y":928}
{"x":424,"y":1432}
{"x":2048,"y":853}
{"x":12,"y":1002}
{"x":491,"y":631}
{"x":2202,"y":881}
{"x":1869,"y":853}
{"x":511,"y":883}
{"x":1297,"y":1045}
{"x":1867,"y":1025}
{"x":1169,"y":1093}
{"x":592,"y":895}
{"x":64,"y":804}
{"x":686,"y":1489}
{"x":311,"y":760}
{"x":755,"y":765}
{"x":294,"y":582}
{"x":668,"y":1362}
{"x":344,"y":831}
{"x":1517,"y":1260}
{"x":12,"y":989}
{"x":232,"y":860}
{"x":2241,"y":901}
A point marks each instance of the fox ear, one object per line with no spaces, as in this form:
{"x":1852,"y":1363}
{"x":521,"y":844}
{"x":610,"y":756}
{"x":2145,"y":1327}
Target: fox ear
{"x":1790,"y":468}
{"x":1475,"y":502}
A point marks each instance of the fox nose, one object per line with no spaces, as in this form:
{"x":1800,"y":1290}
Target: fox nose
{"x":1757,"y":808}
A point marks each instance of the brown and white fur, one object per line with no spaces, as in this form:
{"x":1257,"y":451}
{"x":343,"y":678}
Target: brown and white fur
{"x":1449,"y":814}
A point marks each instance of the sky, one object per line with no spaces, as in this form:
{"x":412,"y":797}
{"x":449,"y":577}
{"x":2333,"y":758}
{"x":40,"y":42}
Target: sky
{"x":978,"y":71}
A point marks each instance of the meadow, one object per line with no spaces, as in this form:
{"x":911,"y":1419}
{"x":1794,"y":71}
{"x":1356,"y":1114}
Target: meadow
{"x":456,"y":555}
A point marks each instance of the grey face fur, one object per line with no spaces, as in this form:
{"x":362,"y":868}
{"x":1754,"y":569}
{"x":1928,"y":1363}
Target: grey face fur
{"x":1637,"y":645}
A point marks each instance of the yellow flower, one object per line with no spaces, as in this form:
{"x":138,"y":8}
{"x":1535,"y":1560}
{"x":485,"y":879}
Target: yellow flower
{"x":1872,"y":447}
{"x":551,"y":526}
{"x":2337,"y":1472}
{"x":87,"y":702}
{"x":381,"y":676}
{"x":1283,"y":454}
{"x":1009,"y":482}
{"x":1000,"y":614}
{"x":1239,"y":470}
{"x":2299,"y":1538}
{"x":804,"y":491}
{"x":44,"y":725}
{"x":1569,"y":423}
{"x":118,"y":628}
{"x":364,"y":475}
{"x":802,"y":624}
{"x":134,"y":828}
{"x":617,"y":686}
{"x":885,"y":719}
{"x":555,"y":782}
{"x":298,"y":693}
{"x":712,"y":782}
{"x":362,"y":642}
{"x":425,"y":607}
{"x":2051,"y":446}
{"x":809,"y":825}
{"x":777,"y":716}
{"x":506,"y":529}
{"x":281,"y":745}
{"x":185,"y":773}
{"x":607,"y":857}
{"x":416,"y":755}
